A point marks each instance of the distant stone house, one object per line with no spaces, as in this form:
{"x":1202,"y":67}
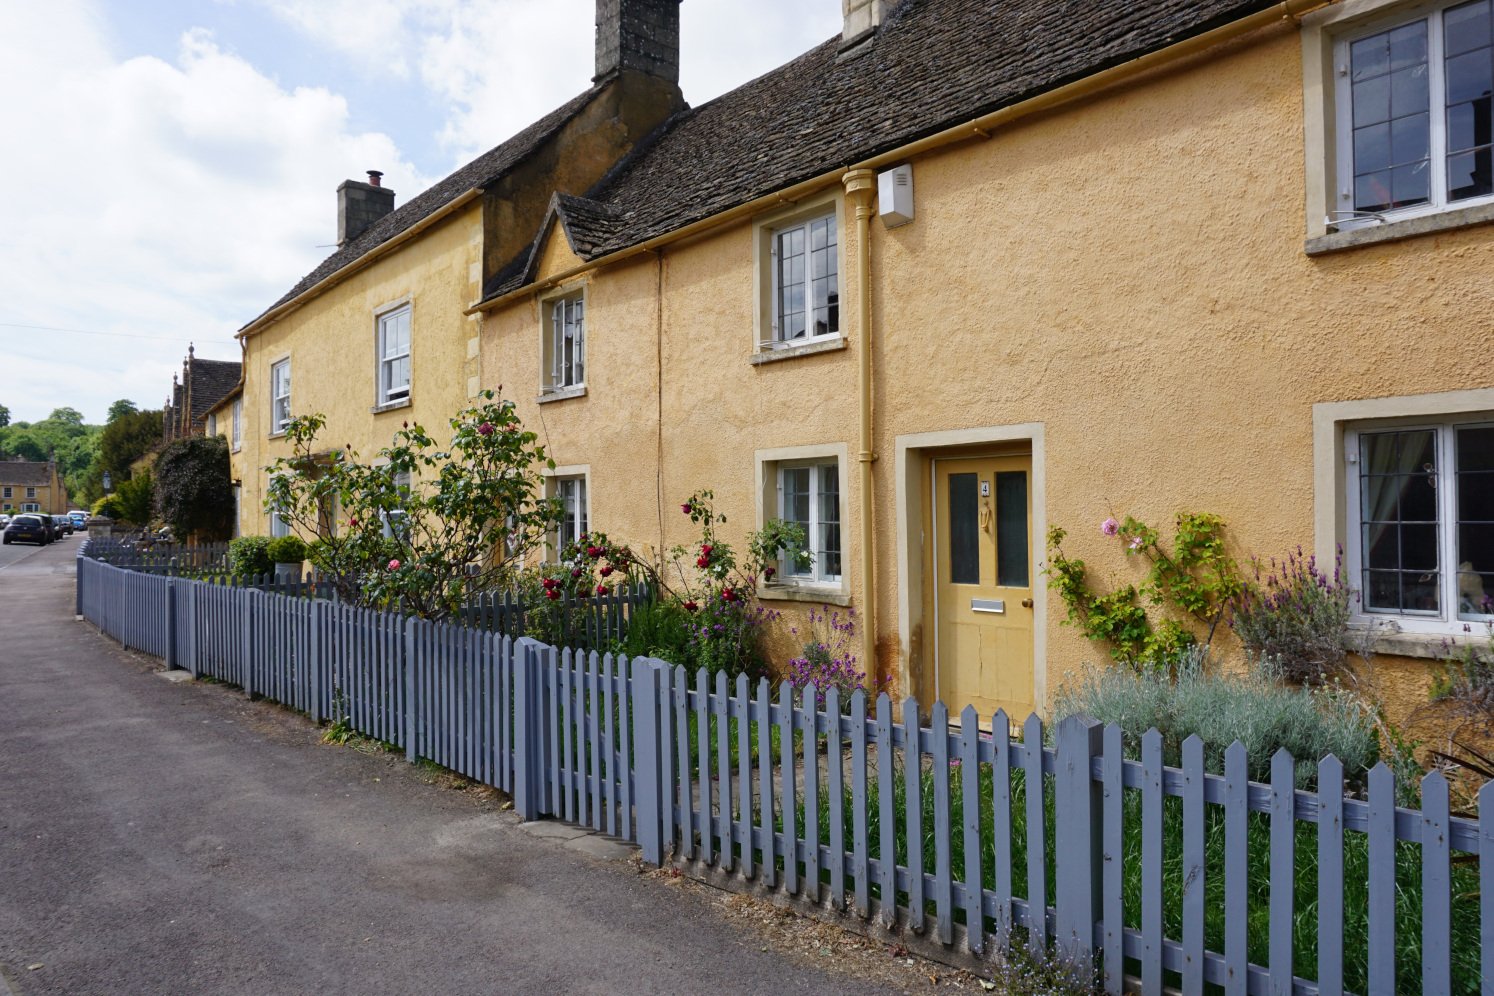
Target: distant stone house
{"x":195,"y":392}
{"x":31,"y":486}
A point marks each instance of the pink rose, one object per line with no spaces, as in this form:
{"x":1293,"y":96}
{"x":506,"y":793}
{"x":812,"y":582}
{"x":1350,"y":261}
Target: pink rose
{"x":1110,"y":527}
{"x":486,"y":429}
{"x":394,"y":565}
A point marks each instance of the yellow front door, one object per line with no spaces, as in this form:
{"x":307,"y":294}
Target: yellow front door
{"x":983,"y":576}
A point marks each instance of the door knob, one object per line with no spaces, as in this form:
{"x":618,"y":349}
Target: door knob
{"x":1026,"y":603}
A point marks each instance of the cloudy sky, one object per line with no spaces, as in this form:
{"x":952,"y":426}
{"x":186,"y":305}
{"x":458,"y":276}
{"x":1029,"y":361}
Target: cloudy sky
{"x":168,"y":168}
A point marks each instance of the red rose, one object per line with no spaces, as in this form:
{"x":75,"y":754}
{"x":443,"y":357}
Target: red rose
{"x":594,"y":552}
{"x":552,"y":593}
{"x":549,"y":583}
{"x":706,"y":549}
{"x":727,"y":595}
{"x":685,"y":508}
{"x":606,"y":571}
{"x":601,"y":589}
{"x":768,"y":572}
{"x":576,"y":573}
{"x":691,"y":606}
{"x":702,"y":562}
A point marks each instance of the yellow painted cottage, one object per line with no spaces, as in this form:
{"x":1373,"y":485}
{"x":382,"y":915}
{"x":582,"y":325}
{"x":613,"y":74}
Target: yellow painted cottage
{"x":32,"y":486}
{"x":971,"y":270}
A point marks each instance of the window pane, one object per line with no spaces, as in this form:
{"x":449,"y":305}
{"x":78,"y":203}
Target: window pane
{"x":1370,"y":56}
{"x":1467,"y":27}
{"x":1398,"y":508}
{"x":1410,"y":139}
{"x":964,"y":529}
{"x":1372,"y":148}
{"x":1470,"y":174}
{"x":1372,"y":192}
{"x":795,"y":484}
{"x":828,"y":557}
{"x":1371,"y":101}
{"x":1475,"y":473}
{"x":1011,"y":529}
{"x":1468,"y":125}
{"x":1408,"y":92}
{"x":1469,"y":76}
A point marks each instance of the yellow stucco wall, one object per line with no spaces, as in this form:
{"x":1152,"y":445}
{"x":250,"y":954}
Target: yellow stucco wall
{"x":1127,"y":272}
{"x":330,"y":342}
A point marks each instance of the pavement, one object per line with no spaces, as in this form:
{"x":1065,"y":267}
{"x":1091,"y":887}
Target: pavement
{"x":173,"y":837}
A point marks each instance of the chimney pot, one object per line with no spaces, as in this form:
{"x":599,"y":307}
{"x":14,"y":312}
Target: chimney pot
{"x":373,"y":178}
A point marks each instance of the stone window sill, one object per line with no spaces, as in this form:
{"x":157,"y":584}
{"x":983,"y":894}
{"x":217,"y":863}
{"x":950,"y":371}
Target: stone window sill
{"x":1395,"y":231}
{"x":1427,"y":646}
{"x":804,"y":349}
{"x":277,"y":435}
{"x":390,"y":406}
{"x":562,"y":394}
{"x":802,"y":593}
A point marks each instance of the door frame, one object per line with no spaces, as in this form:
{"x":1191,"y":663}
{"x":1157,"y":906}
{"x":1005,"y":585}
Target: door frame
{"x":914,"y":455}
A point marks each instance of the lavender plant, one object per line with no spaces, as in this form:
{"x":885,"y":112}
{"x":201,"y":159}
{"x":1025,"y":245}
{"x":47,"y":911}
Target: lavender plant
{"x":1297,"y":617}
{"x":829,"y":659}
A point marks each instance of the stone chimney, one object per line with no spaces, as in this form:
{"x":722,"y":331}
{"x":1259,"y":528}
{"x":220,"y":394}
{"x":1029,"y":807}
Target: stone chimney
{"x":642,"y":35}
{"x":861,"y":19}
{"x":360,"y":205}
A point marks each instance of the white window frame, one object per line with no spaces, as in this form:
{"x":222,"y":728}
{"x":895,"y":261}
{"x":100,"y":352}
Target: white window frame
{"x":816,"y":573}
{"x":387,"y":356}
{"x":768,"y":232}
{"x":396,"y":522}
{"x":563,"y":321}
{"x":788,"y":581}
{"x":30,"y":492}
{"x":1447,"y":618}
{"x":7,"y":493}
{"x":557,"y":482}
{"x":1336,"y":426}
{"x":1327,"y":35}
{"x":30,"y":506}
{"x":236,"y":440}
{"x":280,"y":410}
{"x":775,"y":268}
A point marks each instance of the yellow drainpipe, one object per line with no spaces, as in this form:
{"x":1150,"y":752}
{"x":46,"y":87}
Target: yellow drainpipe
{"x":859,"y":186}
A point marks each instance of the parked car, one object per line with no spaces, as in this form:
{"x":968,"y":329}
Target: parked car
{"x":4,"y":521}
{"x":28,"y":529}
{"x":64,"y":525}
{"x":79,"y":519}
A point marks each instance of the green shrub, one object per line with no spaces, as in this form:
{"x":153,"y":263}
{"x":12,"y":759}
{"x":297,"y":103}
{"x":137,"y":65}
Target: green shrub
{"x":286,"y":550}
{"x":660,"y":629}
{"x":107,"y":506}
{"x":1254,"y":708}
{"x":249,"y":555}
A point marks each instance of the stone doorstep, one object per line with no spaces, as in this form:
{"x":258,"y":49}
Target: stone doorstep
{"x":175,"y":676}
{"x":590,"y":842}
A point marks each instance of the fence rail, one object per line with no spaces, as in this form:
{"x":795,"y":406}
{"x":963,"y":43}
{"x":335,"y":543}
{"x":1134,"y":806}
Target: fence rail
{"x":957,"y":830}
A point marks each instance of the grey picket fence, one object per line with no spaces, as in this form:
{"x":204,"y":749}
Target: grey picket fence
{"x":1156,"y":877}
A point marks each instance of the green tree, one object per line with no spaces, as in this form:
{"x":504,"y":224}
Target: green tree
{"x":469,"y":514}
{"x":66,"y":416}
{"x":4,"y":416}
{"x":194,"y":492}
{"x":133,"y":500}
{"x":121,"y":408}
{"x":126,"y":439}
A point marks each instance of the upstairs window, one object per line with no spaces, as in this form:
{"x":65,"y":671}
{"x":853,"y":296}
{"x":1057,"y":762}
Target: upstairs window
{"x":30,"y":492}
{"x":280,"y":396}
{"x":237,"y":439}
{"x":564,"y":358}
{"x":806,"y":281}
{"x":394,"y":356}
{"x":1414,"y":125}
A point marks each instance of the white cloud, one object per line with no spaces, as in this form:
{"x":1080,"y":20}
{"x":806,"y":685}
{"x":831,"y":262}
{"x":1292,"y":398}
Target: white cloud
{"x":152,"y":198}
{"x":501,"y":64}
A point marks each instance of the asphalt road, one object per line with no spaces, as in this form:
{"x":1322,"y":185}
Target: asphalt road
{"x":160,"y":837}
